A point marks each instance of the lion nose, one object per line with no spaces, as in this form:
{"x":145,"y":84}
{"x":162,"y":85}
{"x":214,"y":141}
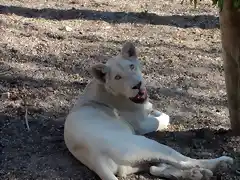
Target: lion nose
{"x":138,"y":86}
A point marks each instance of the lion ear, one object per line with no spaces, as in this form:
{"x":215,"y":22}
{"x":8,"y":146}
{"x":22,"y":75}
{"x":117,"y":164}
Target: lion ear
{"x":129,"y":51}
{"x":99,"y":72}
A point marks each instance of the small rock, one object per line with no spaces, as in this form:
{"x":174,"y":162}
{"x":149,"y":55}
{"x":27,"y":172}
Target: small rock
{"x":5,"y":96}
{"x":67,"y":28}
{"x":107,"y":27}
{"x":1,"y":88}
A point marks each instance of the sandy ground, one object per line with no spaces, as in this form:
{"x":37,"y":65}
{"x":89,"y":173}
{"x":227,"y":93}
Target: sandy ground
{"x":46,"y":48}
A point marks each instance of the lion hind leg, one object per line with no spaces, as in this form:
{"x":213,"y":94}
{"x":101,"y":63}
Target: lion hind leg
{"x":170,"y":172}
{"x":211,"y":164}
{"x":136,"y":150}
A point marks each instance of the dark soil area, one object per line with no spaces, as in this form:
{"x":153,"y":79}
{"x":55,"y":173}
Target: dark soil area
{"x":46,"y":48}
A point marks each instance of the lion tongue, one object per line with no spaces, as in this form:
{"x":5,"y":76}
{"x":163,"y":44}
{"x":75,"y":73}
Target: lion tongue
{"x":141,"y":94}
{"x":138,"y":96}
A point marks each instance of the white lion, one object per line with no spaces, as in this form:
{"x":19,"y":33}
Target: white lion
{"x":105,"y":128}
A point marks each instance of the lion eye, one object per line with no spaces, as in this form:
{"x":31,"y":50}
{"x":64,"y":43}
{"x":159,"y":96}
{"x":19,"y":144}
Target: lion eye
{"x":132,"y":66}
{"x":117,"y":77}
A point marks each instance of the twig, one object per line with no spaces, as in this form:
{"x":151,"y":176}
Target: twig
{"x":198,"y":113}
{"x":26,"y":119}
{"x":237,"y":172}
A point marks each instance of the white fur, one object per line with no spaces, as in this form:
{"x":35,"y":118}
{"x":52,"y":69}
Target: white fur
{"x":104,"y":129}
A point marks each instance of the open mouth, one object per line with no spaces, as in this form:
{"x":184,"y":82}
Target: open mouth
{"x":140,"y":97}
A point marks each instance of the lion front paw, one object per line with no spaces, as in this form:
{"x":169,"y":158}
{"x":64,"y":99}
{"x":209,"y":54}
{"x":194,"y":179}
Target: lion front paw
{"x":164,"y":121}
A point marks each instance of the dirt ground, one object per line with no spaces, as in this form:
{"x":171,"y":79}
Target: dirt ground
{"x":46,"y":48}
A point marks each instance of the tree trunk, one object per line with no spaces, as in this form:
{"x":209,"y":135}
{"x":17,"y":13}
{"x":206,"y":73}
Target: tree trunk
{"x":230,"y":33}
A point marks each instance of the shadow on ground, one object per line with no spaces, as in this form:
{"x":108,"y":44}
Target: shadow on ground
{"x":16,"y":79}
{"x":42,"y":154}
{"x":199,"y":21}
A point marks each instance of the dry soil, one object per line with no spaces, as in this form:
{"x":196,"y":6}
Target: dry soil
{"x":46,"y":48}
